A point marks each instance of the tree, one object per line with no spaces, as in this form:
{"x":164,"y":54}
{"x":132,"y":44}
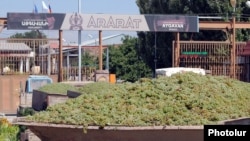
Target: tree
{"x":89,"y":60}
{"x":125,"y":61}
{"x":28,"y":38}
{"x":204,"y":8}
{"x":31,"y":35}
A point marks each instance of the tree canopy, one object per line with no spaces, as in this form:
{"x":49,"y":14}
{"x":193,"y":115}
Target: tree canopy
{"x":30,"y":34}
{"x":125,"y":61}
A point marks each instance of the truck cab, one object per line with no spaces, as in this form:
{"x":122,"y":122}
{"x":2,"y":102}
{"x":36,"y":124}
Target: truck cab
{"x":32,"y":83}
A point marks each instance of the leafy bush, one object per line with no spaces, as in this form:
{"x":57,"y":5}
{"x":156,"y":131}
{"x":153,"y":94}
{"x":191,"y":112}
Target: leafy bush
{"x":8,"y":132}
{"x":182,"y":99}
{"x":26,"y":111}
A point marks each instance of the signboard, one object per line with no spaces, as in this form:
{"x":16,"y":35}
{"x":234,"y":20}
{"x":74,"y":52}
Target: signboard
{"x":161,"y":23}
{"x":34,"y":21}
{"x":75,"y":21}
{"x":105,"y":22}
{"x":172,"y":23}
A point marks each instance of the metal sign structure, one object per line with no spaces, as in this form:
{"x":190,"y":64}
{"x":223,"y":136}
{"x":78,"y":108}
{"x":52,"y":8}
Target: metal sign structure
{"x":76,"y":21}
{"x":100,"y":22}
{"x":204,"y":25}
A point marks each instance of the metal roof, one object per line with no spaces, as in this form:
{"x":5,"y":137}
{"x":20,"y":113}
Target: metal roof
{"x":108,"y":40}
{"x":14,"y":47}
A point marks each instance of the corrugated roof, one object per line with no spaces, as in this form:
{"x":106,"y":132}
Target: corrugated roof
{"x":14,"y":47}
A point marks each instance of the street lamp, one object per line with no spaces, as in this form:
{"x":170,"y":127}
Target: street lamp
{"x":233,"y":4}
{"x":91,"y":37}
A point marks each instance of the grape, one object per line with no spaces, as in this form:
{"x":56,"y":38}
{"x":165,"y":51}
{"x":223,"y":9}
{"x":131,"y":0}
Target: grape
{"x":182,"y":99}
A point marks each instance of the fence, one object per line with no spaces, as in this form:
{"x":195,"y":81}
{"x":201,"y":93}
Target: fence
{"x":39,"y":56}
{"x":18,"y":56}
{"x":213,"y":56}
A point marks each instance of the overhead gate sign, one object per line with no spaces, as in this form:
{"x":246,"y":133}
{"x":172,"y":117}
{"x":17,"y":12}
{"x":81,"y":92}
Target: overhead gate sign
{"x":75,"y":21}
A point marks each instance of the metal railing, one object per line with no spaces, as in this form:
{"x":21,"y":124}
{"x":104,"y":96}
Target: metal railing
{"x":214,"y":56}
{"x":40,"y":57}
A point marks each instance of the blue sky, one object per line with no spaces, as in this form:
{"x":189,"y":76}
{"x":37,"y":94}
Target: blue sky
{"x":127,"y":7}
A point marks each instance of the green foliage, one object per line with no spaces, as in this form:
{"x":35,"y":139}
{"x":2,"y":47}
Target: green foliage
{"x":125,"y":61}
{"x":8,"y":132}
{"x":31,"y":34}
{"x":26,"y":111}
{"x":34,"y":34}
{"x":57,"y":88}
{"x":182,"y":99}
{"x":89,"y":60}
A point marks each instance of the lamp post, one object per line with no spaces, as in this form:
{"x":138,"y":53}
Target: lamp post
{"x":233,"y":4}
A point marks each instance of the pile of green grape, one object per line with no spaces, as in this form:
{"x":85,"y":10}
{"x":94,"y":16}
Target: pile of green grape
{"x":182,"y":99}
{"x":57,"y":88}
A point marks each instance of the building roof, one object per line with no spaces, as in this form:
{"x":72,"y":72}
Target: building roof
{"x":14,"y":47}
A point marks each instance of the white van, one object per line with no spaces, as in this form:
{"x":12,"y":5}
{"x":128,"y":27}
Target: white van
{"x":173,"y":70}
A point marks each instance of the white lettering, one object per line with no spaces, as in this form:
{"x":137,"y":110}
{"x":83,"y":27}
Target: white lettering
{"x":214,"y":132}
{"x":34,"y":22}
{"x":91,"y":22}
{"x":210,"y":131}
{"x":129,"y":23}
{"x":101,"y":22}
{"x":172,"y":25}
{"x":112,"y":22}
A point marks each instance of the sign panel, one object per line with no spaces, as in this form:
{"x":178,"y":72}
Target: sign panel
{"x":105,"y":22}
{"x":75,"y":21}
{"x":34,"y":21}
{"x":172,"y":23}
{"x":161,"y":23}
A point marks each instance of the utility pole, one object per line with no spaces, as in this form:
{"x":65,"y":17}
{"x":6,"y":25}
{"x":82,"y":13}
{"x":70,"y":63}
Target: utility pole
{"x":79,"y":46}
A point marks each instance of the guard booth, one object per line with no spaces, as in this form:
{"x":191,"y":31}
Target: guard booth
{"x":32,"y":83}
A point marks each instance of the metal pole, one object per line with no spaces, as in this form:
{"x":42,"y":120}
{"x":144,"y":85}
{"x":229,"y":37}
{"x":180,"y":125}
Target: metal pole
{"x":100,"y":50}
{"x":107,"y":58}
{"x":49,"y":61}
{"x":60,"y":74}
{"x":79,"y":46}
{"x":155,"y":60}
{"x":176,"y":50}
{"x":233,"y":58}
{"x":34,"y":50}
{"x":234,"y":48}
